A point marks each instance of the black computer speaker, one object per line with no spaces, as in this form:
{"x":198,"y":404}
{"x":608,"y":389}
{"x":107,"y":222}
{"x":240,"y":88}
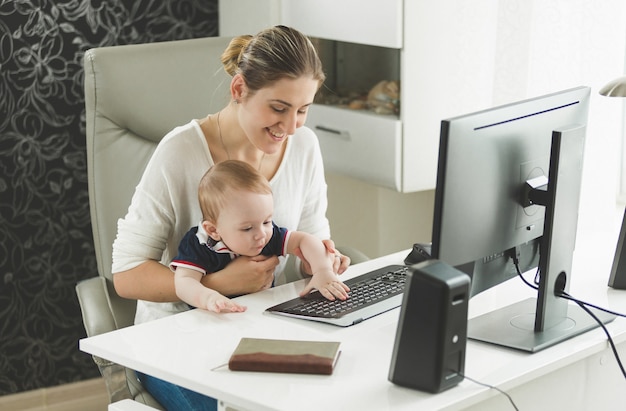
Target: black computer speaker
{"x":429,"y":349}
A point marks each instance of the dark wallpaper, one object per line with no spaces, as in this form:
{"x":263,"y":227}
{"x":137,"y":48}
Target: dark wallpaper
{"x":46,"y":244}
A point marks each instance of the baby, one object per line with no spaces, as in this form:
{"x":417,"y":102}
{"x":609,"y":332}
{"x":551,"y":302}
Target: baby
{"x":237,"y":207}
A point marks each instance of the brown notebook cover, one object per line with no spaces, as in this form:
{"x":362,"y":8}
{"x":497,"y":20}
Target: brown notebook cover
{"x":290,"y":356}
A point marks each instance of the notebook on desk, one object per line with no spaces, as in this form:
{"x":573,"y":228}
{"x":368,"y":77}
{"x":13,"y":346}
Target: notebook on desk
{"x":371,"y":293}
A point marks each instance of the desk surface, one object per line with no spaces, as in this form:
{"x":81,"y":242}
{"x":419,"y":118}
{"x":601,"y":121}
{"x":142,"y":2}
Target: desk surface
{"x":189,"y":348}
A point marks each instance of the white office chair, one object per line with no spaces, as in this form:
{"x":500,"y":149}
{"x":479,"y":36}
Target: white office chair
{"x":134,"y":95}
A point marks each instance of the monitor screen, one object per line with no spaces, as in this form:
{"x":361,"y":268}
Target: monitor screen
{"x":506,"y":201}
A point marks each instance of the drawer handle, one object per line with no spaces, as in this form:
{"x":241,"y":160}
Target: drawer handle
{"x":339,"y":133}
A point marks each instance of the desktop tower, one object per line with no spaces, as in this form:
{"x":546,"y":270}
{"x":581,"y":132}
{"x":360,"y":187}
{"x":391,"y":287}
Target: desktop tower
{"x":429,"y":349}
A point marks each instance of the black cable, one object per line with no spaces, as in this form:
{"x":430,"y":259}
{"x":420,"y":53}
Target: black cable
{"x":492,"y":387}
{"x":583,"y":305}
{"x":569,"y":297}
{"x":515,"y":259}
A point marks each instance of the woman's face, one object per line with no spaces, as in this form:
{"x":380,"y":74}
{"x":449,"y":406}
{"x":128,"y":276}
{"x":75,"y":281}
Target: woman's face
{"x":271,"y":114}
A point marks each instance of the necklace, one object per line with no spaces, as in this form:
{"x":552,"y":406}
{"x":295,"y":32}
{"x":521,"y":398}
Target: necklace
{"x":219,"y":129}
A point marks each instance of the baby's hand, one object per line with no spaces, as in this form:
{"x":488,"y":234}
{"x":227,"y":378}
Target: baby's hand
{"x":218,"y":303}
{"x":328,"y":284}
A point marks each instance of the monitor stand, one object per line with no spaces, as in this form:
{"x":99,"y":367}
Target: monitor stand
{"x":513,"y":326}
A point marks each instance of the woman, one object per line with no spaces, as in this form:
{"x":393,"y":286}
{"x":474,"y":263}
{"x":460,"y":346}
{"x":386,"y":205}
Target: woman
{"x":275,"y":76}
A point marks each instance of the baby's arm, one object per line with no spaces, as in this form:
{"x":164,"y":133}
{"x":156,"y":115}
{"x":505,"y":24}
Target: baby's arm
{"x":190,"y":290}
{"x":324,"y":278}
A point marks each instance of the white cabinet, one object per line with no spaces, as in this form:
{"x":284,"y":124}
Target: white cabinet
{"x":444,"y":66}
{"x":377,"y":23}
{"x":359,"y":144}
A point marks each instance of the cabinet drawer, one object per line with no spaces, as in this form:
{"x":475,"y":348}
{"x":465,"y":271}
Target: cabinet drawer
{"x":362,"y":145}
{"x":374,"y":22}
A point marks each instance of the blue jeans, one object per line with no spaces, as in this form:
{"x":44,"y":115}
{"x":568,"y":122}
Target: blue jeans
{"x":173,"y":397}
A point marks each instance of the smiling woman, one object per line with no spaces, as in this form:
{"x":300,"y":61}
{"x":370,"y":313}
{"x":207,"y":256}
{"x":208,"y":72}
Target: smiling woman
{"x":46,"y":243}
{"x":262,"y":124}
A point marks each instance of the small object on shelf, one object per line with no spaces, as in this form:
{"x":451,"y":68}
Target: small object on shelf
{"x":384,"y":97}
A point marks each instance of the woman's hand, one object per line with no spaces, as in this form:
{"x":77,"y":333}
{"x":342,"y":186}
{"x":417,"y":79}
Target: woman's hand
{"x":243,"y":275}
{"x":340,"y":262}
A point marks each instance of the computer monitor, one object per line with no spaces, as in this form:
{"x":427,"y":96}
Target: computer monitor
{"x":508,"y":188}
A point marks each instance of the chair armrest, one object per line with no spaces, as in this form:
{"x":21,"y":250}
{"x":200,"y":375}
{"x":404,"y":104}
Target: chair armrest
{"x":94,"y":304}
{"x":97,"y":319}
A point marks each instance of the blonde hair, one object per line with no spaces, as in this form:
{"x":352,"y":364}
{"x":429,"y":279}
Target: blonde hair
{"x":273,"y":54}
{"x":224,"y":178}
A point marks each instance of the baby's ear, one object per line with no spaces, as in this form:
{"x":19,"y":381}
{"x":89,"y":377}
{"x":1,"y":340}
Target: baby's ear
{"x":211,"y":229}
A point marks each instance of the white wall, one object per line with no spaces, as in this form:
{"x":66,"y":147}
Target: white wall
{"x":541,"y":46}
{"x":376,"y":220}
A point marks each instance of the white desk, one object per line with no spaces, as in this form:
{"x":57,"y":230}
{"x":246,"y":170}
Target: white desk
{"x":578,"y":374}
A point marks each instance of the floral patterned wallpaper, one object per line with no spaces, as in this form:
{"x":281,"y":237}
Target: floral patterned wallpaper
{"x":46,"y":244}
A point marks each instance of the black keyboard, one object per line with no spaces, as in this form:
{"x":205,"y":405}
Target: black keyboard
{"x":366,"y":290}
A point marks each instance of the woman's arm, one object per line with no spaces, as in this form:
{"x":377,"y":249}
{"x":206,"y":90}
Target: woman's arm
{"x":152,"y":281}
{"x":243,"y":275}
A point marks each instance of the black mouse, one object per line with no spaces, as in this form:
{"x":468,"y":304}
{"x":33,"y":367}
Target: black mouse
{"x":419,"y":253}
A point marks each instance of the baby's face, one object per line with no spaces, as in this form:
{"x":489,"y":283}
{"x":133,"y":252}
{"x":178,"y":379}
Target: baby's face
{"x":245,"y":224}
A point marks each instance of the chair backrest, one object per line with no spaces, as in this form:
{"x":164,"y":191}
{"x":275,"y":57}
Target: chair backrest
{"x":134,"y":95}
